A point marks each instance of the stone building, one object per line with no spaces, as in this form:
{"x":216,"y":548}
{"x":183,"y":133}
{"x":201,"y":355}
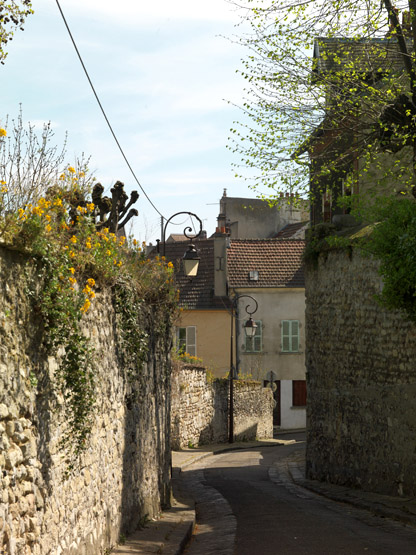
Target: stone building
{"x":253,"y":218}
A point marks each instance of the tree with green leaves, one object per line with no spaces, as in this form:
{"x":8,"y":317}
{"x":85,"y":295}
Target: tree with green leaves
{"x":12,"y":17}
{"x":331,"y":96}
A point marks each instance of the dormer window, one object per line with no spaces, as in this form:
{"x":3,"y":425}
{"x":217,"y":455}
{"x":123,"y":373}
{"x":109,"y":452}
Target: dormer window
{"x":253,"y":275}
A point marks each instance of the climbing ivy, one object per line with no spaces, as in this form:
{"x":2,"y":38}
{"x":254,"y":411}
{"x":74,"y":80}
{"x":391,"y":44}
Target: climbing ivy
{"x":393,"y":243}
{"x":73,"y":260}
{"x":133,"y":339}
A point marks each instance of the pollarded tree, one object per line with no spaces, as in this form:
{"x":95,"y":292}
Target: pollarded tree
{"x":12,"y":17}
{"x":332,"y":89}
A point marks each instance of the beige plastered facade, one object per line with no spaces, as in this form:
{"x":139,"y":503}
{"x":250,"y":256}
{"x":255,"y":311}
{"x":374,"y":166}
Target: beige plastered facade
{"x":274,"y":305}
{"x":213,"y":332}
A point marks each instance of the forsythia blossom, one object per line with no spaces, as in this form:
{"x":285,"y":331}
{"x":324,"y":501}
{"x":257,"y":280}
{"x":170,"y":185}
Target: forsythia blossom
{"x":86,"y":305}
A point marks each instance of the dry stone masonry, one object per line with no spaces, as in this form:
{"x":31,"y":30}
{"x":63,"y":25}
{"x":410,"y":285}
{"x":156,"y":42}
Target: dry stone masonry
{"x":361,"y":377}
{"x":124,"y":475}
{"x":200,"y":409}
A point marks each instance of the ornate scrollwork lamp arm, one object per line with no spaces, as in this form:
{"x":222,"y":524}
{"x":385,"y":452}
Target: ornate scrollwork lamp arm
{"x":186,"y":231}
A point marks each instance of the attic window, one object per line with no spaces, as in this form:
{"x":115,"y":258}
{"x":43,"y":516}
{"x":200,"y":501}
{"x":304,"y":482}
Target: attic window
{"x":253,"y":275}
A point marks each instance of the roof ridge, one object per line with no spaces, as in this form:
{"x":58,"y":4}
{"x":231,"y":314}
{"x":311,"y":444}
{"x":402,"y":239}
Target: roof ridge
{"x":275,"y":239}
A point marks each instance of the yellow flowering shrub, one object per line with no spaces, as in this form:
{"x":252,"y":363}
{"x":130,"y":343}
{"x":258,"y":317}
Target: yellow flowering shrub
{"x":189,"y":359}
{"x":75,"y":261}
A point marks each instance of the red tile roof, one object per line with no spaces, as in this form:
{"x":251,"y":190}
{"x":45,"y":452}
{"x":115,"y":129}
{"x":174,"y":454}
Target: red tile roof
{"x":278,"y":262}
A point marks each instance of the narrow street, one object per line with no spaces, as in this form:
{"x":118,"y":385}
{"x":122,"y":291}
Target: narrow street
{"x":246,"y":507}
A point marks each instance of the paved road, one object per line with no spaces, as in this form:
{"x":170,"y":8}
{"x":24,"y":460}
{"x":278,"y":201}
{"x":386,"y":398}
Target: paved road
{"x":244,"y":507}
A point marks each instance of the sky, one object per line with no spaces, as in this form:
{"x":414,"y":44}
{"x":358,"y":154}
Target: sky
{"x":165,"y":73}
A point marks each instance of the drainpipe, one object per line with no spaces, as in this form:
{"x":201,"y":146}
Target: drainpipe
{"x":237,"y":339}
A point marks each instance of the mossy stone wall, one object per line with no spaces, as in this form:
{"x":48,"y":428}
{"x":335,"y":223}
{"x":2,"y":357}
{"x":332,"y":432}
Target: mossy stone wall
{"x":124,"y":473}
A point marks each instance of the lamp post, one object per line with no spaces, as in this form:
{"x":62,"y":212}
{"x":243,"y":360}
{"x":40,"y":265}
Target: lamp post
{"x":190,"y":258}
{"x":250,"y":330}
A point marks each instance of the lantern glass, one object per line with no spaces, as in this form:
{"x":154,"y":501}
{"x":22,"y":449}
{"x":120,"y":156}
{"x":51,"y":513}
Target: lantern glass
{"x":250,"y":327}
{"x":190,"y":266}
{"x":191,"y":261}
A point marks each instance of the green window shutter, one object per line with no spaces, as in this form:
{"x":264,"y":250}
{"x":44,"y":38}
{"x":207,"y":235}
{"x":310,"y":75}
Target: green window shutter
{"x":191,"y":340}
{"x":249,"y":344}
{"x":295,"y":336}
{"x":286,"y":336}
{"x":290,"y":336}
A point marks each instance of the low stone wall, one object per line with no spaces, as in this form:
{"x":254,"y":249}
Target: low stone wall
{"x":200,"y":409}
{"x":361,"y":377}
{"x":124,"y":473}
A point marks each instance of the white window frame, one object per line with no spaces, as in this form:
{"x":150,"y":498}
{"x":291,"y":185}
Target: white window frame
{"x":257,"y":339}
{"x":190,"y":340}
{"x":290,"y":338}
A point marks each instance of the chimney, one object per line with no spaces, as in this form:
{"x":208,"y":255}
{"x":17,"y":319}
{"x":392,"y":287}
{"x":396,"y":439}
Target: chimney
{"x":220,"y":259}
{"x":221,"y":221}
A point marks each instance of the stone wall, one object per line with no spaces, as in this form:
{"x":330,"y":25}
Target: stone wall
{"x":200,"y":409}
{"x":124,"y":473}
{"x":361,"y":378}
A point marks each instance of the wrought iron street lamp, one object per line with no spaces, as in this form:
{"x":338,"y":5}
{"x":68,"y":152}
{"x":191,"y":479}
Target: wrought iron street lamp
{"x":190,"y":258}
{"x":250,"y":330}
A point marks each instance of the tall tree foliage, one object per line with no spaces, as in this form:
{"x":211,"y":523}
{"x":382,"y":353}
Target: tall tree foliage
{"x":12,"y":17}
{"x":332,"y":82}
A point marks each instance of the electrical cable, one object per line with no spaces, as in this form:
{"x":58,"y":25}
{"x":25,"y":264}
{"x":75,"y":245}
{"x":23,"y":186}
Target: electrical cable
{"x":103,"y":112}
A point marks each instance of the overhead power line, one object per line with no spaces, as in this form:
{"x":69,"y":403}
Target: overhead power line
{"x":103,"y":112}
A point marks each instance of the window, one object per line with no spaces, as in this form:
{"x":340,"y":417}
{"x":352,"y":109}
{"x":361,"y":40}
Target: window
{"x":327,"y":206}
{"x":253,"y":344}
{"x":299,"y":393}
{"x":186,"y":340}
{"x":290,"y":336}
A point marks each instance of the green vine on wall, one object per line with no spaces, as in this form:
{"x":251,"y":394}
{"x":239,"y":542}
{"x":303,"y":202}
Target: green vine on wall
{"x":62,"y":309}
{"x":133,"y":341}
{"x":389,"y":236}
{"x":73,"y":261}
{"x":393,"y":243}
